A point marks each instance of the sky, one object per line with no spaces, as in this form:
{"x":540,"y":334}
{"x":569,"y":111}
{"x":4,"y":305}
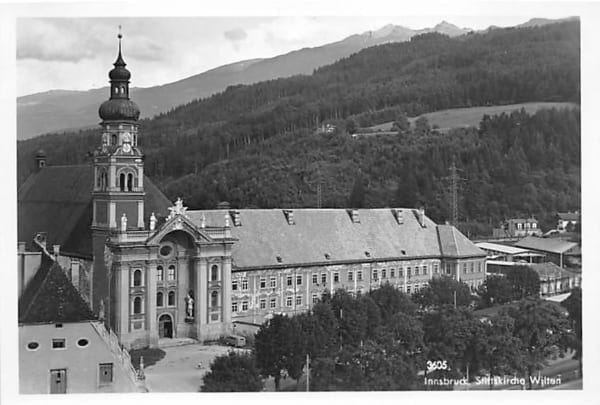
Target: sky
{"x":75,"y":53}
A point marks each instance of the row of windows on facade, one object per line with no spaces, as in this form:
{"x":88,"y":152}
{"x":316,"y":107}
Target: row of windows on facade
{"x":171,"y":275}
{"x":418,"y":270}
{"x":58,"y":344}
{"x":290,"y":299}
{"x":138,"y":301}
{"x":58,"y":378}
{"x":526,"y":225}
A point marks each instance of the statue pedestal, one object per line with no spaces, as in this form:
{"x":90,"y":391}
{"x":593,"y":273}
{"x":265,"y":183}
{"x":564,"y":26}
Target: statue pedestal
{"x":189,"y":319}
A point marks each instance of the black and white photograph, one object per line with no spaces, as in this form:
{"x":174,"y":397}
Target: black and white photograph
{"x":295,"y":200}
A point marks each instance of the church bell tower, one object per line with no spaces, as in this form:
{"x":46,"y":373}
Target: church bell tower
{"x":118,"y":164}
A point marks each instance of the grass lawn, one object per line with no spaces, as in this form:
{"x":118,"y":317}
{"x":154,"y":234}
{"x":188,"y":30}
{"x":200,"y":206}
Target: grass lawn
{"x":151,"y":356}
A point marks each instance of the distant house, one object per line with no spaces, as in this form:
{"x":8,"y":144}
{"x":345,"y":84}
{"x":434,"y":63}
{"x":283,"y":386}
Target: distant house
{"x":63,"y":346}
{"x":556,"y":250}
{"x":566,"y":219}
{"x":326,"y":129}
{"x":496,"y":251}
{"x":517,"y":228}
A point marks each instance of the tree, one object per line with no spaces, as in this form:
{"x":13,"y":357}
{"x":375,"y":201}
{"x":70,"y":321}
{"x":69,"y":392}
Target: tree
{"x":441,"y":291}
{"x":573,"y":306}
{"x":233,"y":372}
{"x":496,"y":289}
{"x":542,"y":329}
{"x":279,"y":346}
{"x":391,"y":301}
{"x":422,"y":126}
{"x":524,"y":280}
{"x":351,"y":126}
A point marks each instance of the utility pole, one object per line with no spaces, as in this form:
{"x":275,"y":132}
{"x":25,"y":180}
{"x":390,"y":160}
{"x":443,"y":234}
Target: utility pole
{"x":307,"y":372}
{"x":454,"y":178}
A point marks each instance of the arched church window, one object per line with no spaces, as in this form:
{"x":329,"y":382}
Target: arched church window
{"x":160,"y":273}
{"x":171,"y":300}
{"x":137,"y":305}
{"x":214,"y":299}
{"x":104,"y":181}
{"x":137,"y":278}
{"x":171,"y":273}
{"x":159,"y":299}
{"x":214,"y":273}
{"x":113,"y":139}
{"x":129,"y":182}
{"x":122,"y":181}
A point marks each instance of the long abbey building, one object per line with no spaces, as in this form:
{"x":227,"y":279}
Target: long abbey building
{"x":152,"y":269}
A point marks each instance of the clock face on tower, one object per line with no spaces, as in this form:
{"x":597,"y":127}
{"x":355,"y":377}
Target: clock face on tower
{"x":126,"y":142}
{"x":126,"y":148}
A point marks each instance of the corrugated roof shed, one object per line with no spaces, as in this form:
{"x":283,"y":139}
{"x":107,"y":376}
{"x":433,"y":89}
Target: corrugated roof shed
{"x":50,"y":297}
{"x":546,"y":244}
{"x":58,"y":200}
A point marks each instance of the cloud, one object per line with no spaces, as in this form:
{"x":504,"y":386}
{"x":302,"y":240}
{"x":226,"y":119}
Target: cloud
{"x":235,"y":35}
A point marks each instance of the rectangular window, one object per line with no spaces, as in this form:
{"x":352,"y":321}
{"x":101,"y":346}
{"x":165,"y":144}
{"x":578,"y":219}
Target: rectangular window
{"x":392,"y":273}
{"x":106,"y":373}
{"x":359,"y":275}
{"x":160,"y":273}
{"x":234,"y":307}
{"x":401,"y":273}
{"x":436,"y":268}
{"x":244,"y":306}
{"x":273,"y":282}
{"x":290,"y":281}
{"x":383,"y":273}
{"x":244,"y":284}
{"x":171,"y":273}
{"x":375,"y":277}
{"x":416,"y":289}
{"x":464,"y":268}
{"x":408,"y":289}
{"x":350,"y":275}
{"x":234,"y":286}
{"x":298,"y":300}
{"x":315,"y":279}
{"x":416,"y":270}
{"x":472,"y":267}
{"x":479,"y":267}
{"x":273,"y":302}
{"x":336,"y":277}
{"x":59,"y":343}
{"x":288,"y":301}
{"x":299,"y":280}
{"x":315,"y":298}
{"x":263,"y":282}
{"x":425,"y":269}
{"x":408,"y":271}
{"x":534,"y":225}
{"x":324,"y":278}
{"x":263,"y":303}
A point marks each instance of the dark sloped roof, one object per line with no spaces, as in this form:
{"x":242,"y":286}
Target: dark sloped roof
{"x":58,"y":200}
{"x":455,"y":244}
{"x":569,"y":216}
{"x":546,"y":244}
{"x":50,"y":297}
{"x":265,"y":234}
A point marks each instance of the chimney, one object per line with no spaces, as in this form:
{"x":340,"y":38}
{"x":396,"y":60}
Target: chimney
{"x":354,"y":216}
{"x":40,"y":160}
{"x":21,"y":247}
{"x":399,"y":215}
{"x":235,"y":216}
{"x":56,"y":250}
{"x":422,"y":216}
{"x":289,"y":216}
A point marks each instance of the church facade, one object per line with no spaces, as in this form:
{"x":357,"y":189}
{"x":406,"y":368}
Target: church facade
{"x":154,"y":270}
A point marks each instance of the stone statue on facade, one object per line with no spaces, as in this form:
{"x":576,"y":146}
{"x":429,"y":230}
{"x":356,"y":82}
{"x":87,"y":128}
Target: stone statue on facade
{"x":189,"y":309}
{"x":177,"y":209}
{"x":152,"y":222}
{"x":124,"y":223}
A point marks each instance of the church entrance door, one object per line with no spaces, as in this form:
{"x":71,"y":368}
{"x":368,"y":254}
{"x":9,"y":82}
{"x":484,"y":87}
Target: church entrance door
{"x":165,"y":326}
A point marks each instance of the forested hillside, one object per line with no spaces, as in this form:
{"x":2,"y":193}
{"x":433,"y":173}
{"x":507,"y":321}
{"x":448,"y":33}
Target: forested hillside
{"x":255,"y":145}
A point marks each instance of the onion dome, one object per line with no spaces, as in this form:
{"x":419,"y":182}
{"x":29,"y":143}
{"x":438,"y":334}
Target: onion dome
{"x":119,"y":109}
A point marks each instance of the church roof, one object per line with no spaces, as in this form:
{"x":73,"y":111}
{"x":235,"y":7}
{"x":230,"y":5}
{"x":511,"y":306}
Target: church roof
{"x":50,"y":297}
{"x":265,"y":234}
{"x":58,"y":200}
